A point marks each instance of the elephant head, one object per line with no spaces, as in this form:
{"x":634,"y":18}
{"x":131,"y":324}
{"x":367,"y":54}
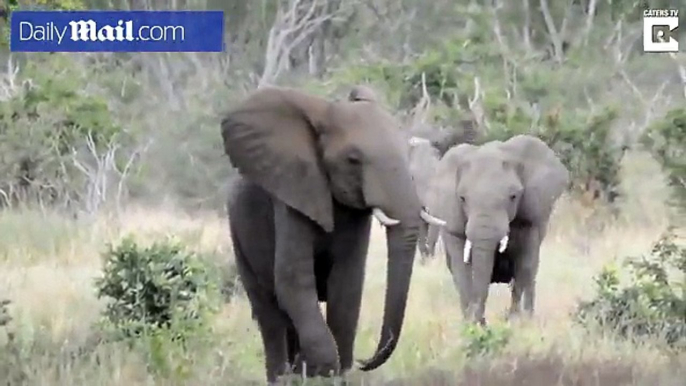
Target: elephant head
{"x":309,"y":153}
{"x":485,"y":192}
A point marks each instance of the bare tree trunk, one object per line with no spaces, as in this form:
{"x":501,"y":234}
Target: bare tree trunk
{"x":526,"y":33}
{"x":294,"y":23}
{"x":556,"y":36}
{"x":589,"y":19}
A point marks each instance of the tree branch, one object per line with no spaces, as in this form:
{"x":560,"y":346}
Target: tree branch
{"x":289,"y":30}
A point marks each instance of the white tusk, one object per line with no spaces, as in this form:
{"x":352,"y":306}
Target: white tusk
{"x":383,"y":218}
{"x":414,"y":141}
{"x":502,"y":246}
{"x":467,"y":251}
{"x":431,"y":219}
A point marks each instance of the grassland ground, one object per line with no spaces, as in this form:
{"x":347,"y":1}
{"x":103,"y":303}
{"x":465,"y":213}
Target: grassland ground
{"x":48,"y":263}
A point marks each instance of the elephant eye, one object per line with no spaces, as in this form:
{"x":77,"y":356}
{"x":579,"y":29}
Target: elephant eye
{"x":354,"y":158}
{"x":513,"y":197}
{"x":462,"y":199}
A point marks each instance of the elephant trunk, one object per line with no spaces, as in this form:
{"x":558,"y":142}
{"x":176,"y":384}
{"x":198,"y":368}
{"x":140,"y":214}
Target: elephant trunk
{"x":483,"y":256}
{"x":401,"y":243}
{"x":486,"y":233}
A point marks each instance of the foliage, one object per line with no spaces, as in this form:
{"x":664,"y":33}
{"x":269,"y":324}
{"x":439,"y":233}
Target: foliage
{"x":13,"y":5}
{"x":573,"y":100}
{"x":666,"y":139}
{"x":653,"y":303}
{"x":46,"y":122}
{"x":160,"y":287}
{"x":582,"y":137}
{"x":583,"y":142}
{"x":485,"y":340}
{"x":447,"y":72}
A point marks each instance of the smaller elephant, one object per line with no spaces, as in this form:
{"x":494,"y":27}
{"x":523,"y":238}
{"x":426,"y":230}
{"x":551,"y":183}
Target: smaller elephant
{"x":496,"y":199}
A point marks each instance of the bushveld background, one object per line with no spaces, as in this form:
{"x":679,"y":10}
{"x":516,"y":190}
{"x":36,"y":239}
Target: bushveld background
{"x":113,"y":183}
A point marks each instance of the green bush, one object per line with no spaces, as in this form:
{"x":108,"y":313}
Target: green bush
{"x":160,"y":287}
{"x":666,"y":140}
{"x":652,"y":303}
{"x":485,"y":340}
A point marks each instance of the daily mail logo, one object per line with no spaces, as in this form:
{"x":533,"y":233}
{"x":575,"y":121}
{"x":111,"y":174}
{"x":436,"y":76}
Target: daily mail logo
{"x":85,"y":31}
{"x":134,"y":31}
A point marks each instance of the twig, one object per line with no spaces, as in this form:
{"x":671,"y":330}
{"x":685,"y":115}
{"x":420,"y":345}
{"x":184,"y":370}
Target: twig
{"x":476,"y":107}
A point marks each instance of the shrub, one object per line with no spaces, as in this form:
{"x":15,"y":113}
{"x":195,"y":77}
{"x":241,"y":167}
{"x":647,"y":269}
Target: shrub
{"x":227,"y":275}
{"x":160,"y":287}
{"x":666,"y":140}
{"x":485,"y":340}
{"x":652,"y":304}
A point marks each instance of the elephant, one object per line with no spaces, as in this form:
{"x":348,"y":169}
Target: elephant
{"x":497,"y":200}
{"x":425,"y":155}
{"x":312,"y":174}
{"x":424,"y":158}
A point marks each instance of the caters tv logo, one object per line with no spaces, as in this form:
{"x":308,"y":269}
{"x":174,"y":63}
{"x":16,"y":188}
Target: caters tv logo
{"x":660,"y":28}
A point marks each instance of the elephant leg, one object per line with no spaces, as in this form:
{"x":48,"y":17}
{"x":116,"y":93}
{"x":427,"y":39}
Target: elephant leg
{"x":296,"y":289}
{"x":271,"y":321}
{"x":526,"y":269}
{"x":293,"y":349}
{"x":516,"y":291}
{"x":349,"y":251}
{"x":460,"y":272}
{"x":273,"y":326}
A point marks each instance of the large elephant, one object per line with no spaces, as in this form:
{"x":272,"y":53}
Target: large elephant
{"x":313,"y":172}
{"x":497,"y":199}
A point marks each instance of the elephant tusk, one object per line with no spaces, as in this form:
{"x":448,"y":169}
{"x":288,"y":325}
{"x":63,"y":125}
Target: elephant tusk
{"x":414,"y":141}
{"x":467,"y":251}
{"x":424,"y":214}
{"x":502,"y":246}
{"x":383,"y":218}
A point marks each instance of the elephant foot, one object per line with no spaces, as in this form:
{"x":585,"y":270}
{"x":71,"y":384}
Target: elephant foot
{"x":308,"y":370}
{"x":512,"y":315}
{"x":316,"y":368}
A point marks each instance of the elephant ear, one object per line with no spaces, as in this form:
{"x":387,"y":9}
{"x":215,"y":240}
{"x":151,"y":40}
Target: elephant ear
{"x":443,"y":199}
{"x":272,"y":139}
{"x":543,"y":176}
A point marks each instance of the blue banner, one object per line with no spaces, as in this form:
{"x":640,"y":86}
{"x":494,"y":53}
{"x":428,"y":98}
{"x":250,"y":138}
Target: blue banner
{"x":117,"y":31}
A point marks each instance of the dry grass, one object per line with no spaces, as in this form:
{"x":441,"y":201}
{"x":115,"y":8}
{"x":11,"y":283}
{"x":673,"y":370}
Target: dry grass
{"x":47,"y":265}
